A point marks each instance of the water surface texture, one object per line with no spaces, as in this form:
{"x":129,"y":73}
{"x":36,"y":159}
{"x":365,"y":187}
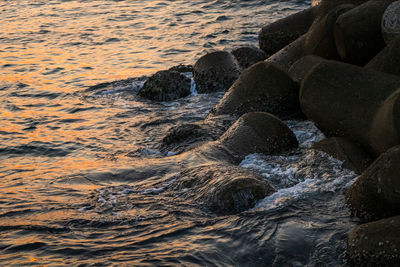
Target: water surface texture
{"x":82,"y":179}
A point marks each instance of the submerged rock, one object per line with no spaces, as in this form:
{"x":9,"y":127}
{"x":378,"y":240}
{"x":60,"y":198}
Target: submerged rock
{"x":224,"y":188}
{"x":166,"y":85}
{"x":358,"y":34}
{"x":248,"y":55}
{"x":376,"y":193}
{"x":258,"y":132}
{"x":375,"y":244}
{"x":353,"y":157}
{"x":183,"y":137}
{"x":215,"y":71}
{"x":391,"y":22}
{"x":262,"y":87}
{"x":275,"y":36}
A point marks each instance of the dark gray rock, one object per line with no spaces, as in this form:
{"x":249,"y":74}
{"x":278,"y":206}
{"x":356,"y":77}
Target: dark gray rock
{"x":388,"y":60}
{"x":275,"y":36}
{"x":391,"y":22}
{"x":303,"y":66}
{"x":165,"y":85}
{"x":248,"y":55}
{"x":376,"y":193}
{"x":375,"y":244}
{"x":343,"y":99}
{"x":358,"y":34}
{"x":215,"y":71}
{"x":320,"y":39}
{"x":182,"y":68}
{"x":258,"y":132}
{"x":262,"y":87}
{"x":288,"y":55}
{"x":353,"y":157}
{"x":385,"y":129}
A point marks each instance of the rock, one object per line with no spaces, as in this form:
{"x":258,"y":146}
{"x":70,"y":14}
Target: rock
{"x":215,"y":71}
{"x":275,"y":36}
{"x":182,"y":68}
{"x":388,"y":60}
{"x":262,"y":87}
{"x":288,"y":55}
{"x":358,"y":34}
{"x":391,"y":22}
{"x":248,"y":55}
{"x":375,"y":244}
{"x":303,"y":66}
{"x":258,"y":132}
{"x":224,"y":188}
{"x":320,"y":39}
{"x":353,"y":157}
{"x":165,"y":86}
{"x":183,"y":137}
{"x":376,"y":193}
{"x":342,"y":99}
{"x":385,"y":130}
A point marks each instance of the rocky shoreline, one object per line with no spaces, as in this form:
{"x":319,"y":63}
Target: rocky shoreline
{"x":336,"y":64}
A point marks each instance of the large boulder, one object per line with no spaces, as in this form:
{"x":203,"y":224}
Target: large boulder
{"x":358,"y":34}
{"x":165,"y":85}
{"x":320,"y":39}
{"x":215,"y":71}
{"x":288,"y":55}
{"x":262,"y":87}
{"x":342,"y":99}
{"x":376,"y":193}
{"x":275,"y":36}
{"x":303,"y":66}
{"x":248,"y":55}
{"x":388,"y":60}
{"x":353,"y":157}
{"x":258,"y":132}
{"x":385,"y":129}
{"x":375,"y":244}
{"x":391,"y":22}
{"x":224,"y":188}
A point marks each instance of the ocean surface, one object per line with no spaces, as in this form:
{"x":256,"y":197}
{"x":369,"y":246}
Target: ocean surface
{"x":82,"y":179}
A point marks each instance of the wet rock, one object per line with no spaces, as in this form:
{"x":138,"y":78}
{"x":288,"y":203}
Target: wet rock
{"x":288,"y":55}
{"x":184,"y":137}
{"x":275,"y":36}
{"x":385,"y":130}
{"x":342,"y":99}
{"x":303,"y":66}
{"x":391,"y":22}
{"x":376,"y":193}
{"x":320,"y":39}
{"x":353,"y":157}
{"x":258,"y":132}
{"x":388,"y":60}
{"x":375,"y":244}
{"x":166,"y":85}
{"x":182,"y":68}
{"x":215,"y":71}
{"x":358,"y":34}
{"x":224,"y":188}
{"x":262,"y":87}
{"x":248,"y":55}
